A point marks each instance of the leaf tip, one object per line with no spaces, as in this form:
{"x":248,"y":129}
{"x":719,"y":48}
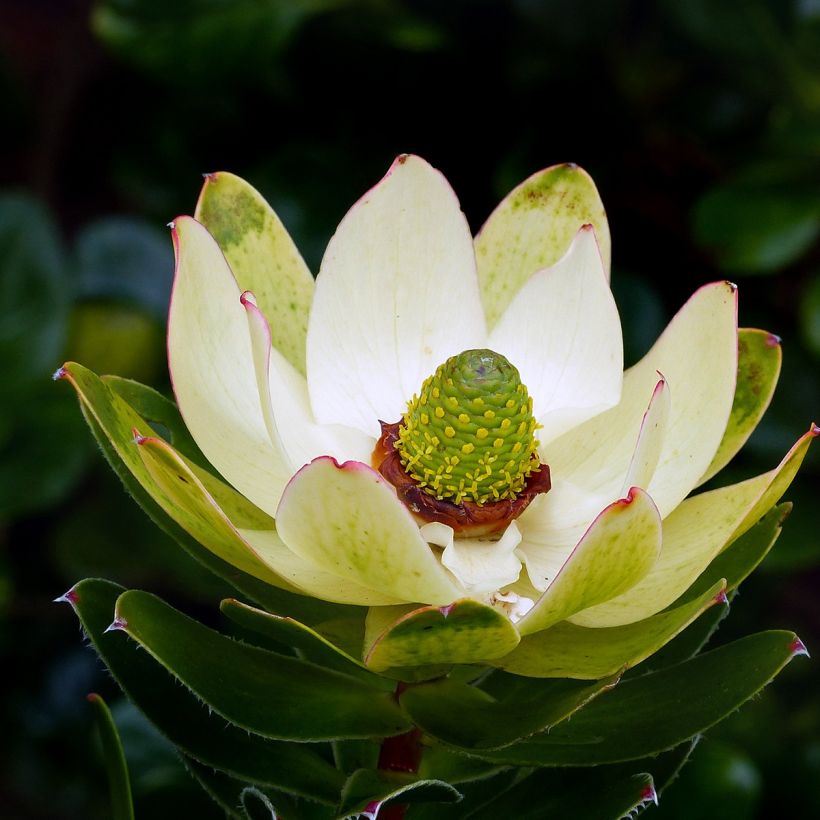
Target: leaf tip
{"x":59,"y":373}
{"x":797,"y":647}
{"x":139,"y":438}
{"x":70,"y":597}
{"x":773,"y":340}
{"x":648,"y":794}
{"x":721,"y":597}
{"x":117,"y":625}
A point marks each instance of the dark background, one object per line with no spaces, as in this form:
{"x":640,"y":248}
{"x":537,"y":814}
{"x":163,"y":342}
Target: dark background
{"x":700,"y":122}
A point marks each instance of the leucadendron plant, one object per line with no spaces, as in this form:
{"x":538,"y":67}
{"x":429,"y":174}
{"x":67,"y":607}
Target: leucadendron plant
{"x":452,"y":520}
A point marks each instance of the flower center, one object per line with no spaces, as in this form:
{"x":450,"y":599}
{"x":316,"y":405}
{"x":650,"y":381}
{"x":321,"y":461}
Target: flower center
{"x":465,"y":452}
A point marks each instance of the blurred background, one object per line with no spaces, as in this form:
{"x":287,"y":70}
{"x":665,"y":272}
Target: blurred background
{"x":700,"y":122}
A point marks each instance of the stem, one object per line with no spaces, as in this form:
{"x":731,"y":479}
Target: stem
{"x":401,"y":753}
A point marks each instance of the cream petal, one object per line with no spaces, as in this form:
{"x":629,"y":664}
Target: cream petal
{"x":697,"y":355}
{"x":693,"y":535}
{"x":397,"y":294}
{"x":286,"y":406}
{"x":619,"y":548}
{"x":212,"y":369}
{"x":650,"y":439}
{"x":346,"y":520}
{"x":480,"y":565}
{"x":562,"y":332}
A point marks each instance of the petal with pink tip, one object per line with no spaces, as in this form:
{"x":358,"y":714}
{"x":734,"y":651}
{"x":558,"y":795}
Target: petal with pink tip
{"x":262,"y":256}
{"x":532,"y":228}
{"x":618,"y":549}
{"x":286,"y":406}
{"x":562,"y":332}
{"x":650,"y":439}
{"x":693,"y":535}
{"x":210,"y":358}
{"x":396,"y":295}
{"x":697,"y":354}
{"x":346,"y":520}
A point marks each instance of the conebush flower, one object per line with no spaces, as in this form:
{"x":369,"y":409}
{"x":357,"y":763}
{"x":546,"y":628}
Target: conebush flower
{"x":436,"y":446}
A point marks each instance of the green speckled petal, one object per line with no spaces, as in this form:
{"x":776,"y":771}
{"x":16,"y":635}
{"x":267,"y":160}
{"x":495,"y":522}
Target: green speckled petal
{"x":758,"y":368}
{"x":262,"y":257}
{"x":463,"y":632}
{"x":570,"y":651}
{"x":532,"y":228}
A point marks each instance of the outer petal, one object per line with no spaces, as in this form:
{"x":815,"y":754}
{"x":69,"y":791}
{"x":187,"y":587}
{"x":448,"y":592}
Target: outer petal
{"x":617,"y":550}
{"x":397,"y":294}
{"x":562,"y":332}
{"x":481,"y":566}
{"x":262,"y":256}
{"x":650,"y":439}
{"x":697,"y":354}
{"x":212,"y":369}
{"x":694,"y":535}
{"x":531,"y":229}
{"x":347,"y":520}
{"x":286,"y":407}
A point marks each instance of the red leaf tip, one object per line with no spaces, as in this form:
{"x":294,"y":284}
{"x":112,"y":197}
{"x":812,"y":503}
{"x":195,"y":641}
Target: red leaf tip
{"x":69,"y":597}
{"x":814,"y":430}
{"x":139,"y":438}
{"x":773,"y":340}
{"x":117,"y":625}
{"x":371,"y":810}
{"x":446,"y":610}
{"x":648,"y":793}
{"x":59,"y":373}
{"x":92,"y":697}
{"x":721,"y":597}
{"x":797,"y":647}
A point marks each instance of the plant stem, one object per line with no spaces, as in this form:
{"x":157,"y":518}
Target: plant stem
{"x":401,"y":753}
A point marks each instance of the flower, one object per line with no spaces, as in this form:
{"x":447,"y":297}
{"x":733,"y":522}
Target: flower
{"x":287,"y":388}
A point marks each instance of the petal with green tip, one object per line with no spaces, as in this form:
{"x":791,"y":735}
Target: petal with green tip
{"x":466,"y":631}
{"x":619,"y":548}
{"x":396,"y":295}
{"x":262,"y":256}
{"x":567,"y":650}
{"x":212,"y":369}
{"x":532,"y":228}
{"x":758,"y":368}
{"x":693,"y":535}
{"x":697,"y":355}
{"x":286,"y":405}
{"x":562,"y":331}
{"x":346,"y":520}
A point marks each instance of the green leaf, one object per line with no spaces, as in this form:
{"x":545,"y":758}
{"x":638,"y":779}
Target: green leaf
{"x":315,"y":646}
{"x":599,"y":793}
{"x":568,"y":650}
{"x":260,"y":691}
{"x":655,"y":712}
{"x":758,"y":368}
{"x":119,"y":784}
{"x":465,"y":631}
{"x":471,"y":718}
{"x":186,"y":722}
{"x":370,"y":790}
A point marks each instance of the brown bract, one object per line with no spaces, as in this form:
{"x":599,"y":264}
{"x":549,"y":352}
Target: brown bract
{"x":467,"y":518}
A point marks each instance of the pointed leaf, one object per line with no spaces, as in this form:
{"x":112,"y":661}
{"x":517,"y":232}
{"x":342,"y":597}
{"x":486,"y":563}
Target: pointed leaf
{"x":652,"y":713}
{"x":262,"y":256}
{"x":470,"y":718}
{"x":532,"y":228}
{"x":260,"y":691}
{"x":567,"y":650}
{"x":465,"y":631}
{"x":369,"y":791}
{"x":186,"y":722}
{"x":119,"y":783}
{"x":309,"y":610}
{"x":758,"y":368}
